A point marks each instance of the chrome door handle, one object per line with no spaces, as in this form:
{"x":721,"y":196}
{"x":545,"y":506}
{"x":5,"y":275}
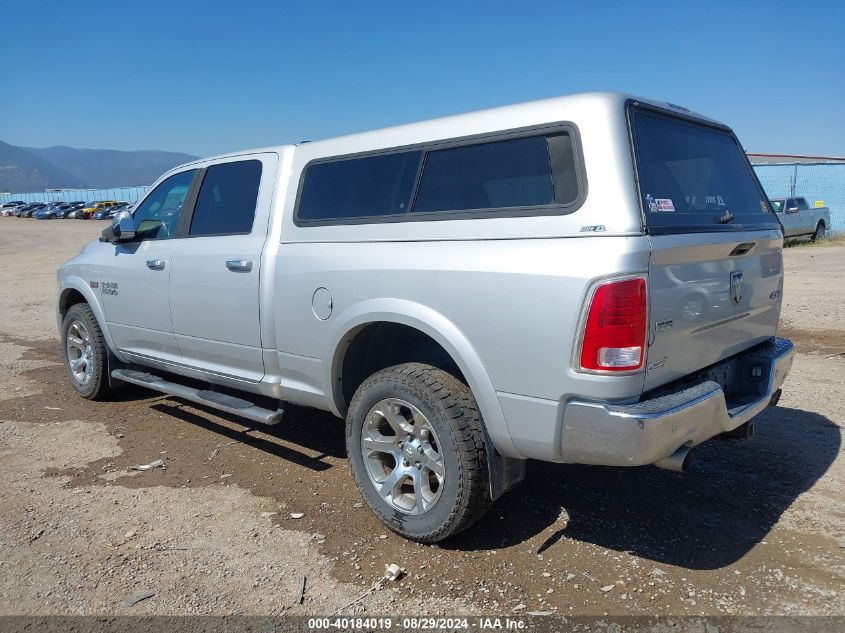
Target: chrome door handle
{"x":156,"y":264}
{"x":239,"y":265}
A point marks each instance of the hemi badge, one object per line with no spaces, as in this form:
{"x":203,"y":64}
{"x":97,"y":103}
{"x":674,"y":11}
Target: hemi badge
{"x":663,"y":326}
{"x":94,"y":284}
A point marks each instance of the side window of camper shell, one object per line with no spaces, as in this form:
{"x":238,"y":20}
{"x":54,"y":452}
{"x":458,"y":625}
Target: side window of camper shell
{"x":526,"y":174}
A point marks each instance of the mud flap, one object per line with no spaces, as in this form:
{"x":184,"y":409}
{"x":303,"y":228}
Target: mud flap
{"x":504,"y":472}
{"x":111,"y":364}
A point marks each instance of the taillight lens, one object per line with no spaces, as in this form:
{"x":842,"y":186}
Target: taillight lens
{"x":615,"y":331}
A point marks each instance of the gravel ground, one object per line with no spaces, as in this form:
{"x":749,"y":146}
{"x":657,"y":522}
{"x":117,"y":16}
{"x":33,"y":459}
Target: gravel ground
{"x":752,"y":528}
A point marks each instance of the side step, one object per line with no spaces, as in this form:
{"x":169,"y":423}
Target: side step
{"x":221,"y":401}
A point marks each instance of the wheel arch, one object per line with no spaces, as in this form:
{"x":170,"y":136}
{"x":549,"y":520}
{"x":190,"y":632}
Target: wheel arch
{"x":68,"y":298}
{"x":74,"y":290}
{"x":391,"y":315}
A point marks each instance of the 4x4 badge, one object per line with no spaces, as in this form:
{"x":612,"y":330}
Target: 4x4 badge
{"x":736,"y":287}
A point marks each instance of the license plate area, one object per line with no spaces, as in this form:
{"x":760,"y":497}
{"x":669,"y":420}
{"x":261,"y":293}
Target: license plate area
{"x":743,"y":378}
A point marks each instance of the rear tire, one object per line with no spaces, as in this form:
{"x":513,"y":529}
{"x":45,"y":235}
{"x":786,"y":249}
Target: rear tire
{"x":820,"y":232}
{"x":85,"y":353}
{"x":416,"y":450}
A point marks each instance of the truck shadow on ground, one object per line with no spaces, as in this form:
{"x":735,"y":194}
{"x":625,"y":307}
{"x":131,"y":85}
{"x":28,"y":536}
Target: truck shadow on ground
{"x":319,"y":443}
{"x":705,"y":518}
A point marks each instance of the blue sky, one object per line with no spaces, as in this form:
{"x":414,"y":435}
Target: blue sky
{"x":206,"y":78}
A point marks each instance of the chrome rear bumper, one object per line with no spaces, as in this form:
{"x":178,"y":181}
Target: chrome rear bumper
{"x":646,"y":432}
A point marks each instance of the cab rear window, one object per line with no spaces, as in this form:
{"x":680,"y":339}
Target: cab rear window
{"x":694,"y":177}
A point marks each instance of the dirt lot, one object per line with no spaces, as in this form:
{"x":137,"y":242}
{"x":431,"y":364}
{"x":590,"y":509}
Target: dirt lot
{"x":753,"y":528}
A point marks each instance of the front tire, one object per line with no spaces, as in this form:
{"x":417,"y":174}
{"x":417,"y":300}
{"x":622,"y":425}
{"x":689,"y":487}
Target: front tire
{"x":416,"y":449}
{"x":85,"y":353}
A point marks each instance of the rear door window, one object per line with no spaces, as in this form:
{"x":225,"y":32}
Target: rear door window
{"x":227,"y":198}
{"x":695,"y":177}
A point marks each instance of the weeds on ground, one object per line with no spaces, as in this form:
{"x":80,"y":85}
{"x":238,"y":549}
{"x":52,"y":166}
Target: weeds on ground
{"x":835,"y":239}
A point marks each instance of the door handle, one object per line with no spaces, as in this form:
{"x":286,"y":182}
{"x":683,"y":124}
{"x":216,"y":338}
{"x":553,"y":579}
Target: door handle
{"x":156,"y":264}
{"x":239,"y":265}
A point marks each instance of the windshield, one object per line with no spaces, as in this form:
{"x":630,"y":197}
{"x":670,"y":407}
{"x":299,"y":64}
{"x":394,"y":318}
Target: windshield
{"x":777,"y":205}
{"x":695,"y":177}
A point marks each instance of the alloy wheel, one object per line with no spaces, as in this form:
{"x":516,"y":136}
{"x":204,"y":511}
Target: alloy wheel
{"x":402,"y":456}
{"x":80,"y":354}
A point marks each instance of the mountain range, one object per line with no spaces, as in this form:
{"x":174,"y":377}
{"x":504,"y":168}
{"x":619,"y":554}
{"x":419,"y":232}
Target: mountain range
{"x":27,"y":169}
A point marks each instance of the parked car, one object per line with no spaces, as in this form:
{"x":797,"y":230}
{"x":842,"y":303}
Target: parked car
{"x":21,"y":210}
{"x":9,"y":208}
{"x":27,"y":210}
{"x":110,"y":213}
{"x":105,"y":213}
{"x":75,"y":212}
{"x":16,"y":212}
{"x":63,"y":211}
{"x":89,"y":210}
{"x":452,"y":289}
{"x":800,"y":219}
{"x":53,"y":211}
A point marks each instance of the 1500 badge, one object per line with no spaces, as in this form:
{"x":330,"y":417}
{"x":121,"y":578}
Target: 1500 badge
{"x":110,"y":288}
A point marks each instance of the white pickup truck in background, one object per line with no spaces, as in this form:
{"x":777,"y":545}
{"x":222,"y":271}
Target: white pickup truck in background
{"x":800,"y":219}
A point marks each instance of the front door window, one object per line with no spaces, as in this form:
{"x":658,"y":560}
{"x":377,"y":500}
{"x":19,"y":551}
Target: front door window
{"x":158,"y":215}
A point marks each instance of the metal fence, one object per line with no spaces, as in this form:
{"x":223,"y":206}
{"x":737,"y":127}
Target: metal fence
{"x":130,"y":194}
{"x":811,"y":177}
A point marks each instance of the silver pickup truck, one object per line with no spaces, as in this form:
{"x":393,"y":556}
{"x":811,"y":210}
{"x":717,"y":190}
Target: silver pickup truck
{"x":799,"y":219}
{"x":591,"y":279}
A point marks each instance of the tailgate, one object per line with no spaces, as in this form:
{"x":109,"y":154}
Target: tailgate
{"x":710,"y":296}
{"x":715,"y":272}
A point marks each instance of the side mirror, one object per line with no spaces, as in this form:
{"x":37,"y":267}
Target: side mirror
{"x":792,"y":210}
{"x":122,"y":229}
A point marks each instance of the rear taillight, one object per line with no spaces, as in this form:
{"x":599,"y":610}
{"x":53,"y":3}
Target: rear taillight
{"x":615,"y":331}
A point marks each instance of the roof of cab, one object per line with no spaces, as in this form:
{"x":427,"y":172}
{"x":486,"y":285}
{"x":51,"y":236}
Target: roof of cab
{"x":544,"y":110}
